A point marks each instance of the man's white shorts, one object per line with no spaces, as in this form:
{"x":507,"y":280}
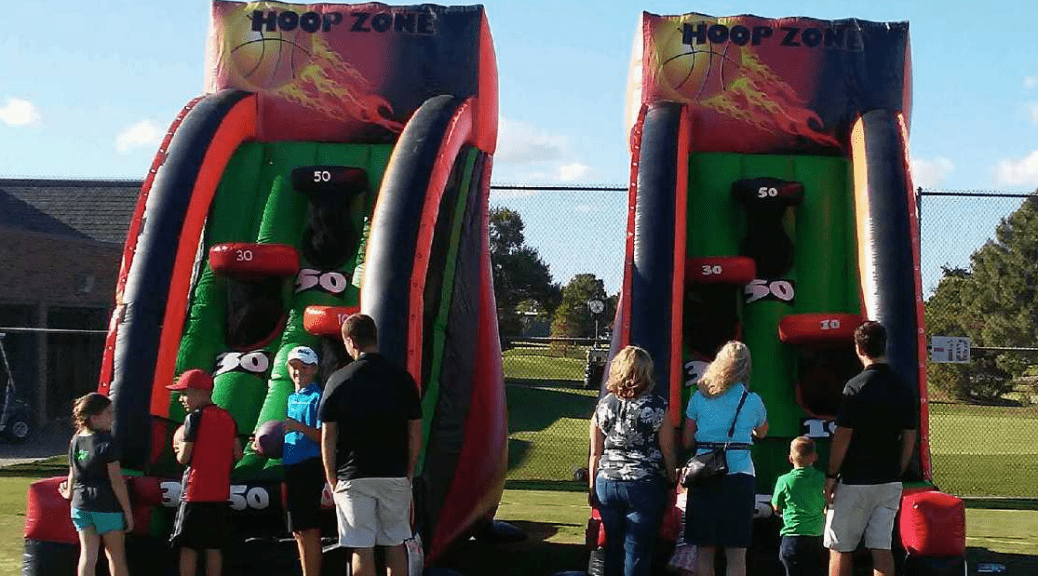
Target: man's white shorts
{"x":373,"y":511}
{"x":862,"y":509}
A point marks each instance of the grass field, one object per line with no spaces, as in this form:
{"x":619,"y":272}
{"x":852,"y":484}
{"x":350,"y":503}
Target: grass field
{"x":977,"y":450}
{"x":14,"y":482}
{"x":545,"y":363}
{"x":554,"y":523}
{"x":985,"y":450}
{"x":548,"y":426}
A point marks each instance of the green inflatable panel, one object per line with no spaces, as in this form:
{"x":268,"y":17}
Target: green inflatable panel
{"x":256,"y":203}
{"x":823,"y":276}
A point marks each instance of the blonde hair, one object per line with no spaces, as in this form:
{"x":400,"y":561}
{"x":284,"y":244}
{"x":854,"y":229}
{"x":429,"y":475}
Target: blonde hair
{"x":731,"y":366}
{"x":630,"y":374}
{"x":801,"y":448}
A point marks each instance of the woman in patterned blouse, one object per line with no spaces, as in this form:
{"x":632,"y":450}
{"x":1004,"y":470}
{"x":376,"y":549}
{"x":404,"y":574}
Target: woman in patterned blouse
{"x":632,"y":462}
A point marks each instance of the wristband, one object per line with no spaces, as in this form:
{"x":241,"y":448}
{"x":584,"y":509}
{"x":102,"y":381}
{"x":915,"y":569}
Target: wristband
{"x":832,"y":476}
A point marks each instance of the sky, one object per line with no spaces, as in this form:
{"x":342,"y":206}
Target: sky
{"x":88,"y":89}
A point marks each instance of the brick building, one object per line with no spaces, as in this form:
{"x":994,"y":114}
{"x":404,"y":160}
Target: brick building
{"x":61,"y":244}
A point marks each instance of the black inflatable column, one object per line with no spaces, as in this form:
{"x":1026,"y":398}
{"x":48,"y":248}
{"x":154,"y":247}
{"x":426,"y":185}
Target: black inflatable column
{"x":884,"y":239}
{"x":654,"y":236}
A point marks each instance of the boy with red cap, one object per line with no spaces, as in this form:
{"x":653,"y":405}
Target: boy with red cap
{"x":208,"y":444}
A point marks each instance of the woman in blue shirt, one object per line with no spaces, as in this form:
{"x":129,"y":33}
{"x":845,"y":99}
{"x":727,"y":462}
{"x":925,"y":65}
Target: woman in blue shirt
{"x":719,"y":511}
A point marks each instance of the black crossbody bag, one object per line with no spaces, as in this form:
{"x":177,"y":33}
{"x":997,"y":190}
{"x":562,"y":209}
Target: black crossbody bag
{"x":715,"y":462}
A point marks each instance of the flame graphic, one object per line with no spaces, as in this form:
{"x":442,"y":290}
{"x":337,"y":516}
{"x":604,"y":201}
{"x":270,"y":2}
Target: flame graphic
{"x":759,"y":97}
{"x":334,"y":88}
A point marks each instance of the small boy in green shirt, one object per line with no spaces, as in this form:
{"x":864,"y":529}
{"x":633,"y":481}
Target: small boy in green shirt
{"x":799,"y":498}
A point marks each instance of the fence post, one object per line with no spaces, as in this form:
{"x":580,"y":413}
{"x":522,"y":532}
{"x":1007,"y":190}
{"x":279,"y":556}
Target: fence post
{"x":42,"y":358}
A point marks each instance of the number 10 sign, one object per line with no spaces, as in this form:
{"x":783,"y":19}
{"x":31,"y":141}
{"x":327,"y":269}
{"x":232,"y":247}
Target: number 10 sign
{"x":949,"y":349}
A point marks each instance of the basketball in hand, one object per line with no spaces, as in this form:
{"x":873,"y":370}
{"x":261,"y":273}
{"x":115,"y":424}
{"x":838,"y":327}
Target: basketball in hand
{"x":270,"y":439}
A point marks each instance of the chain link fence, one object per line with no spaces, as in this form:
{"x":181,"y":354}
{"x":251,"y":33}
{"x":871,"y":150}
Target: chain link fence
{"x":575,"y":232}
{"x":983,"y":434}
{"x":979,"y":284}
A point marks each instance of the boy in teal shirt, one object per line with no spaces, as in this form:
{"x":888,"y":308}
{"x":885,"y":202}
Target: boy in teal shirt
{"x":799,"y":498}
{"x":304,"y":471}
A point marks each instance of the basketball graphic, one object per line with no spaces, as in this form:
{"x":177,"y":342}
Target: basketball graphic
{"x":265,"y":59}
{"x":684,"y":68}
{"x":294,"y":57}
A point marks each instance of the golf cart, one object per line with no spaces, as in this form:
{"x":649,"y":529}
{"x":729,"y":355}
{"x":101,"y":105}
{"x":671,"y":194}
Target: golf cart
{"x":15,"y":423}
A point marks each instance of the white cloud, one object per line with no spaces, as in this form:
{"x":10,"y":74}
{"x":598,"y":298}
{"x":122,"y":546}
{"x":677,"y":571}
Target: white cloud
{"x":1032,"y":111}
{"x":145,"y":134}
{"x":1031,"y":82}
{"x":511,"y":194}
{"x":1021,"y":172}
{"x":18,"y":112}
{"x":573,"y":171}
{"x":931,"y":173}
{"x":522,"y":143}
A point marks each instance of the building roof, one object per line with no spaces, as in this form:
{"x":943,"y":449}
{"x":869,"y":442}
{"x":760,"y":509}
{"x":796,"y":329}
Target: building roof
{"x":97,"y":210}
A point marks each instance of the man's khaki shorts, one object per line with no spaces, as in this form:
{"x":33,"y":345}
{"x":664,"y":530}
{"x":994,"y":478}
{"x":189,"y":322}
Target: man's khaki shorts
{"x":373,"y":511}
{"x":862,"y":509}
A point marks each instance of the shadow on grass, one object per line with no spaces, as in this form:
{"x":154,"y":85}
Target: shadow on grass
{"x":1001,"y":503}
{"x":535,"y":556}
{"x":1015,"y":563}
{"x":534,"y":407}
{"x":547,"y":485}
{"x":56,"y":466}
{"x":517,"y":452}
{"x":565,"y":384}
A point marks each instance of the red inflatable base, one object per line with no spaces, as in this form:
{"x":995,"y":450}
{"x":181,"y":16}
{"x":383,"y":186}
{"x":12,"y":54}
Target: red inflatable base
{"x":48,"y":516}
{"x":933,"y":524}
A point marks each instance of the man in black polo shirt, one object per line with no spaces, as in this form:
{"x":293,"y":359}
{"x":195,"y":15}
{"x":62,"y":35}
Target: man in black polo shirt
{"x":371,"y":434}
{"x":871,"y":448}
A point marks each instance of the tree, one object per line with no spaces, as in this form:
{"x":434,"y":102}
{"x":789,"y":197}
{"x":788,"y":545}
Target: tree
{"x":572,"y":318}
{"x":506,"y":231}
{"x":949,"y":312}
{"x":994,"y":303}
{"x":520,"y":275}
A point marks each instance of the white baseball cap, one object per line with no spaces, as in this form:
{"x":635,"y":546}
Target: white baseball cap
{"x":305,"y":354}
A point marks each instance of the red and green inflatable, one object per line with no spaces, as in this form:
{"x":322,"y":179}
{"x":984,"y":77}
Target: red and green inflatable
{"x":340,"y":161}
{"x":771,"y":201}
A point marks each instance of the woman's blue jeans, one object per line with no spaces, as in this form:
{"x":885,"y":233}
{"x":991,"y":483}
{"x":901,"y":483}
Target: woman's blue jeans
{"x":631,"y":513}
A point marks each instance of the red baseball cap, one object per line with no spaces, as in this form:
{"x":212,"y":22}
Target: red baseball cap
{"x":194,"y":378}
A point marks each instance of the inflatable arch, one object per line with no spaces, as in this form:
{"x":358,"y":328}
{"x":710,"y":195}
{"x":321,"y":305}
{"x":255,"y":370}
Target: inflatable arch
{"x":339,"y":161}
{"x":771,"y":202}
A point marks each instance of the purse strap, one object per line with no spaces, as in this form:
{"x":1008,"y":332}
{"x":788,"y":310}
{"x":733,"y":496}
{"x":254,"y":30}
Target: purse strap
{"x":731,"y":431}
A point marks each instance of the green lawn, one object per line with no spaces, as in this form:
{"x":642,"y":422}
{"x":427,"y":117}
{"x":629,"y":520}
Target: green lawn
{"x":549,"y":431}
{"x":554,"y":523}
{"x":553,"y":514}
{"x":985,"y":450}
{"x":977,"y":450}
{"x":14,"y":484}
{"x":545,"y":363}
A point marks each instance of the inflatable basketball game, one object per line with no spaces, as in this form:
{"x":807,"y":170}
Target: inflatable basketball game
{"x":771,"y":202}
{"x":339,"y":161}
